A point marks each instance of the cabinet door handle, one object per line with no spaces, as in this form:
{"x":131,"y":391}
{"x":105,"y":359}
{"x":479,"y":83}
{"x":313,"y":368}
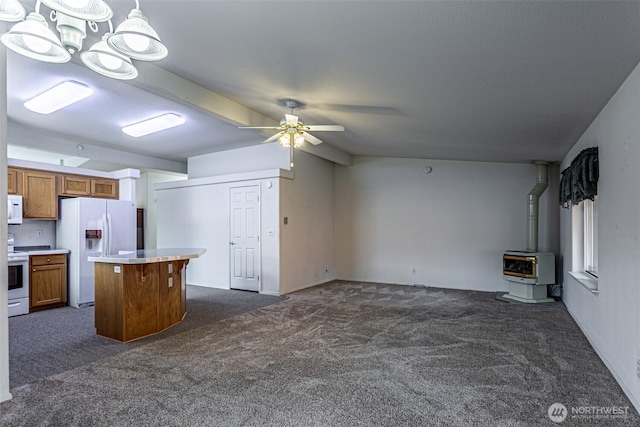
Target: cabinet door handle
{"x":34,"y":269}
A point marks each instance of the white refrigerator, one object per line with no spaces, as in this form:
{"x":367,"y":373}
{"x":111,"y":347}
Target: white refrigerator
{"x":93,"y":227}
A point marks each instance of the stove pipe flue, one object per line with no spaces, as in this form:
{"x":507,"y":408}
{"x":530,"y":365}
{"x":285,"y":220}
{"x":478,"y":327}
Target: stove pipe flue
{"x":542,"y":169}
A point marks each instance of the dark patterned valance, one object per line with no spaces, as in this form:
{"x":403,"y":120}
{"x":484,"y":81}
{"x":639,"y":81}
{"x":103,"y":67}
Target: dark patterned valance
{"x":580,"y":180}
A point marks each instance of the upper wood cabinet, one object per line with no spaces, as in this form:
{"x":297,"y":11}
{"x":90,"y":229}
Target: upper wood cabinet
{"x":86,"y":186}
{"x":12,"y":181}
{"x":75,"y":185}
{"x":106,"y":188}
{"x":39,"y":195}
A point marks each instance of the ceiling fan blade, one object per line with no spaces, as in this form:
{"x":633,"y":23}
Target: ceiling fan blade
{"x":273,"y":137}
{"x":325,"y":128}
{"x":259,"y":127}
{"x":311,"y":139}
{"x":291,"y":119}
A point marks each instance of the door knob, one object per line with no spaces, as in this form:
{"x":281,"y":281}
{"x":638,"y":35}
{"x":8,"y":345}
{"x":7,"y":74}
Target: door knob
{"x":232,"y":243}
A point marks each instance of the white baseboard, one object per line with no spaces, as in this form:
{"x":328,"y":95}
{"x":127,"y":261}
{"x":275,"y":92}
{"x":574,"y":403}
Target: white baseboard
{"x":275,"y":294}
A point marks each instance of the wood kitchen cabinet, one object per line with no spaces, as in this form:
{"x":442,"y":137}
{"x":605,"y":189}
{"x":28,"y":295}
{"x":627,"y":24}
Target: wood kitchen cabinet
{"x":39,"y":195}
{"x":105,"y":188}
{"x":12,"y":181}
{"x":137,"y":300}
{"x":86,"y":186}
{"x":47,"y":281}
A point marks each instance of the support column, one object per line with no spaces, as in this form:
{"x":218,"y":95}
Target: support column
{"x":4,"y":320}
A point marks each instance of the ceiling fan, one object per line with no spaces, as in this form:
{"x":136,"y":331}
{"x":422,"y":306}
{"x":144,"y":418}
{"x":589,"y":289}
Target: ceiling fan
{"x":293,"y":132}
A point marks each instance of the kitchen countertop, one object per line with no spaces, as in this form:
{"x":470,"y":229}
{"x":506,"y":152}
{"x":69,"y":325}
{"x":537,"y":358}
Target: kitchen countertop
{"x":148,"y":256}
{"x":40,"y":250}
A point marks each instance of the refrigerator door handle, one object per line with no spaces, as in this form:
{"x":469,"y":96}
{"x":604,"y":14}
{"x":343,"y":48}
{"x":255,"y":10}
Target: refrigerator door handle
{"x":109,"y":233}
{"x":106,"y":232}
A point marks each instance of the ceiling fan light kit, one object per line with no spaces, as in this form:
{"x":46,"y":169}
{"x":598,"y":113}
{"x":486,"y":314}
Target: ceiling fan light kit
{"x":293,"y":132}
{"x":111,"y":57}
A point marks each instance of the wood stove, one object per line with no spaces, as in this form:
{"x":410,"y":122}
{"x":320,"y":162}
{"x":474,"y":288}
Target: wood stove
{"x":528,"y":274}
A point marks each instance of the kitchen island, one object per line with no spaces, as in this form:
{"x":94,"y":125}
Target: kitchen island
{"x":140,"y":293}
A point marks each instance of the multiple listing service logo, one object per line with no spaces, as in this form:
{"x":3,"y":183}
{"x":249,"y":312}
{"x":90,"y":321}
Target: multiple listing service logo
{"x":557,"y":412}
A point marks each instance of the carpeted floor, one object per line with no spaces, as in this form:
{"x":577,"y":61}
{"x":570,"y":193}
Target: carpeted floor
{"x":343,"y":354}
{"x":49,"y":342}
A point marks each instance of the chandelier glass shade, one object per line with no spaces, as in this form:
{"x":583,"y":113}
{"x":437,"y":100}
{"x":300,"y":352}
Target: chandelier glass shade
{"x":87,"y":10}
{"x":102,"y":59}
{"x":111,"y":56}
{"x":33,"y":39}
{"x":11,"y":11}
{"x":136,"y":39}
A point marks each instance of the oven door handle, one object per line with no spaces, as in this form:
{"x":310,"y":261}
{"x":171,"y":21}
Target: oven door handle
{"x":14,"y":304}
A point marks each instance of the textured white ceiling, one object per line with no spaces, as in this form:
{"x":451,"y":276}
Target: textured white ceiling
{"x":490,"y":81}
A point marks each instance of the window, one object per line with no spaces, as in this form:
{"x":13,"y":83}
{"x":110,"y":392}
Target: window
{"x":584,"y":226}
{"x":590,"y":235}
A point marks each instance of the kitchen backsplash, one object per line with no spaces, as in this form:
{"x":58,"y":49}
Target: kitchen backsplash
{"x":34,"y":233}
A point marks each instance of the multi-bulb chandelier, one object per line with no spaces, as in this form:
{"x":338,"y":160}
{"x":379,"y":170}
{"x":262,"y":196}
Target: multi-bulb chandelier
{"x":133,"y":39}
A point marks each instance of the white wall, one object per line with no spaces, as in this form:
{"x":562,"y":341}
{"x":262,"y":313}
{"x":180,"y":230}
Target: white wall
{"x":610,"y":319}
{"x":208,"y":206}
{"x":249,"y":159}
{"x":451,"y":225}
{"x":195,"y":213}
{"x":146,"y":199}
{"x":295,"y":256}
{"x":307,"y":250}
{"x":197,"y":217}
{"x":26,"y":234}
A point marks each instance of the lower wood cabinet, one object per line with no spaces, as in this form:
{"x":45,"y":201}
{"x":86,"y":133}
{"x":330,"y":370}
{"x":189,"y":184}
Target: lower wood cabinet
{"x":47,"y":281}
{"x":136,"y":300}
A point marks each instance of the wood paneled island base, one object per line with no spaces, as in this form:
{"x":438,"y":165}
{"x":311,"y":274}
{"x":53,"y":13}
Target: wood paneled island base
{"x":133,"y":301}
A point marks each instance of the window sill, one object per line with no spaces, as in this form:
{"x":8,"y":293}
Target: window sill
{"x":586,"y":280}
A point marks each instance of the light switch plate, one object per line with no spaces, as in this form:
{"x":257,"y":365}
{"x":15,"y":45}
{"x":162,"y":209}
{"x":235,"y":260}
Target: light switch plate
{"x":116,"y":269}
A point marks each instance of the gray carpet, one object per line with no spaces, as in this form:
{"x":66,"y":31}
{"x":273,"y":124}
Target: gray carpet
{"x":343,"y":354}
{"x":53,"y":341}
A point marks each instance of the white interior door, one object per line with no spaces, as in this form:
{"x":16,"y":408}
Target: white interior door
{"x":244,"y":237}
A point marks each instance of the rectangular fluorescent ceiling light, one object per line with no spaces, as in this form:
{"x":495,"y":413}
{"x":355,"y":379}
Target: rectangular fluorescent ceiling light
{"x":165,"y":121}
{"x":58,"y":97}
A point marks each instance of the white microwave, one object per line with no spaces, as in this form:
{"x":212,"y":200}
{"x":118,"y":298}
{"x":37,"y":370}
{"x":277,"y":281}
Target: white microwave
{"x":14,"y":206}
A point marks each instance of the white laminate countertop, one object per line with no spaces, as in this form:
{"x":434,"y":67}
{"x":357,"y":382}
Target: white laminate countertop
{"x":147,"y":256}
{"x":48,"y":252}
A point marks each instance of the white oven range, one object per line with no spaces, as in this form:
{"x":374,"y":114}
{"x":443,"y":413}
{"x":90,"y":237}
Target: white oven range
{"x":18,"y":282}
